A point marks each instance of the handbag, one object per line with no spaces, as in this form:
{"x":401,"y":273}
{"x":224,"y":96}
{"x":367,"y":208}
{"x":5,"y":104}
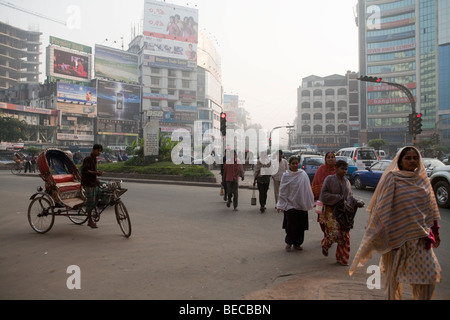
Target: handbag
{"x":253,"y":199}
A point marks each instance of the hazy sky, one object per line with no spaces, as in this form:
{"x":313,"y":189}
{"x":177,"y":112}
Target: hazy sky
{"x":266,"y":46}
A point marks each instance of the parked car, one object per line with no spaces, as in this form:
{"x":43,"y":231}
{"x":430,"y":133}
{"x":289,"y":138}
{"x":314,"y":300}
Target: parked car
{"x":363,"y":156}
{"x":371,"y":176}
{"x":440,"y":181}
{"x":431,"y":163}
{"x":310,"y":163}
{"x":351,"y":165}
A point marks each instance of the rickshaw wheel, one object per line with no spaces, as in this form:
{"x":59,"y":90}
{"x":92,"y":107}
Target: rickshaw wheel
{"x":40,"y":215}
{"x":123,"y":219}
{"x":79,"y":218}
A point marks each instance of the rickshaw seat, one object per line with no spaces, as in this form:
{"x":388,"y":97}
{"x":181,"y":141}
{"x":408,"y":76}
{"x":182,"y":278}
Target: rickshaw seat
{"x":66,"y":182}
{"x":60,"y":178}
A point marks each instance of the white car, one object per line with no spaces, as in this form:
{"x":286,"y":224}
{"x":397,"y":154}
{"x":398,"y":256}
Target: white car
{"x":440,"y":181}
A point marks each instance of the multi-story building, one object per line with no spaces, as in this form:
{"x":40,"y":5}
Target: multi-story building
{"x":209,"y":83}
{"x":19,"y":56}
{"x":404,"y":42}
{"x":328,"y":114}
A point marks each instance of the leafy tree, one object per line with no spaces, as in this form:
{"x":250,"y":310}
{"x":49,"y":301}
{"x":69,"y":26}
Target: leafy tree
{"x":377,"y":143}
{"x":12,"y":129}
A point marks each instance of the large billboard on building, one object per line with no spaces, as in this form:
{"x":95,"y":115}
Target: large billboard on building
{"x":117,"y":100}
{"x":68,"y":60}
{"x":77,"y":99}
{"x":169,"y":21}
{"x":116,"y":65}
{"x":170,"y":36}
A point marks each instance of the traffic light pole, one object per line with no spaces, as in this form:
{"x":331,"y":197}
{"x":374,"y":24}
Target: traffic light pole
{"x":398,"y":86}
{"x":270,"y":135}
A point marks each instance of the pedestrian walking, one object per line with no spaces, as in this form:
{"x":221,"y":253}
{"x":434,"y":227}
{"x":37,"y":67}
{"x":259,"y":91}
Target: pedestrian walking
{"x":283,"y":166}
{"x":324,"y":170}
{"x":233,"y":169}
{"x":336,"y":192}
{"x":403,"y":227}
{"x":262,"y":179}
{"x":295,"y":199}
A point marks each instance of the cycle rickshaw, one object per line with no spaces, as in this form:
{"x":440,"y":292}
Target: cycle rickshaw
{"x":64,"y":196}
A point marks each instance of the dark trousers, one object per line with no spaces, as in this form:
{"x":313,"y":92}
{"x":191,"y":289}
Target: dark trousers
{"x":232,"y":192}
{"x":295,"y":223}
{"x":263,"y":188}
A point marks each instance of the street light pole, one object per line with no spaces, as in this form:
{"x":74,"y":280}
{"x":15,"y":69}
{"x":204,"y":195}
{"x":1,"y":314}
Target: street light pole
{"x":270,"y":135}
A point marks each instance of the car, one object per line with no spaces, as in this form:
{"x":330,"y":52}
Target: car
{"x":310,"y":163}
{"x":363,"y":156}
{"x":431,"y":163}
{"x":371,"y":176}
{"x":351,"y":165}
{"x":440,"y":181}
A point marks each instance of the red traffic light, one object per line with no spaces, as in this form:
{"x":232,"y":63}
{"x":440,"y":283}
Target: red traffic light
{"x":223,"y":115}
{"x":418,"y":115}
{"x":379,"y":80}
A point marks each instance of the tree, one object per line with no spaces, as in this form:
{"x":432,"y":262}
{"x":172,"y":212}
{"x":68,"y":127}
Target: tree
{"x":377,"y":143}
{"x":13,"y":130}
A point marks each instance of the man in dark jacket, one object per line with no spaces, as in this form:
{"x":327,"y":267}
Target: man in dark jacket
{"x":89,"y":181}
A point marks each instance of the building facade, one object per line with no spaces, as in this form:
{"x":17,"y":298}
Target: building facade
{"x":19,"y":56}
{"x":328,"y":114}
{"x":399,"y":43}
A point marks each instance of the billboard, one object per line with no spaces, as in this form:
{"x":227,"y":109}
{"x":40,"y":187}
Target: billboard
{"x":117,"y":65}
{"x":68,"y":64}
{"x":77,"y":99}
{"x":169,"y":48}
{"x":169,"y":21}
{"x":117,"y":100}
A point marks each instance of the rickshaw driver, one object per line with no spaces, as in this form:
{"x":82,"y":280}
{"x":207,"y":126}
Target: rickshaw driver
{"x":89,"y":181}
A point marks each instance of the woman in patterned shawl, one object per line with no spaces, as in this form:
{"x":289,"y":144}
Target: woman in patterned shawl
{"x":403,"y":227}
{"x":324,"y":170}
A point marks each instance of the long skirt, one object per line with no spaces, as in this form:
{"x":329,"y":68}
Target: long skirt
{"x":295,"y":223}
{"x":333,"y":234}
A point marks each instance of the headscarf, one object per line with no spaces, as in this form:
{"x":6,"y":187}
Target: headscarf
{"x":322,"y":172}
{"x":403,"y":207}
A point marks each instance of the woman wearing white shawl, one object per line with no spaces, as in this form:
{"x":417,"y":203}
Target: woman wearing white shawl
{"x":403,"y":227}
{"x":295,"y":199}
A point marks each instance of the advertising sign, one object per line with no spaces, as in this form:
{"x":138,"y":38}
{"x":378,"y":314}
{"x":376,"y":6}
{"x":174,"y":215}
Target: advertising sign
{"x":169,"y":21}
{"x":68,"y":64}
{"x":77,"y":94}
{"x":169,"y":63}
{"x":117,"y":100}
{"x":169,"y":48}
{"x":114,"y":64}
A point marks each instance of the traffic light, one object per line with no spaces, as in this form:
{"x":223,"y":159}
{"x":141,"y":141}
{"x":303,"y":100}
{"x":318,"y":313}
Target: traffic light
{"x":415,"y":123}
{"x":418,"y":129}
{"x":370,"y":79}
{"x":223,"y":123}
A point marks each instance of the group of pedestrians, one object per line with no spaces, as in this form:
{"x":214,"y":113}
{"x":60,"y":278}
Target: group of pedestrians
{"x":403,"y":215}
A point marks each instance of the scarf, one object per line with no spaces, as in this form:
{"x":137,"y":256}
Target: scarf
{"x":402,"y":208}
{"x":322,"y":172}
{"x":295,"y":191}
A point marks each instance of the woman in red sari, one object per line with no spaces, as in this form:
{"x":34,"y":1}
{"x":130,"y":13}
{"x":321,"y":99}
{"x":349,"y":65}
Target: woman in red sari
{"x":329,"y":168}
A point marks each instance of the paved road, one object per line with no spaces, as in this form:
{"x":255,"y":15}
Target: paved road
{"x":186,"y":244}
